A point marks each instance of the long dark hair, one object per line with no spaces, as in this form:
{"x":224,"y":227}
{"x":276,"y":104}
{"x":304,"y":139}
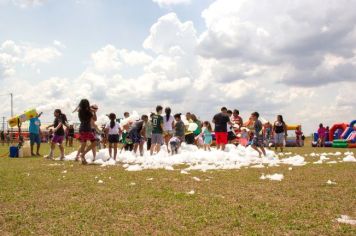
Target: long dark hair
{"x":280,"y":117}
{"x":112,"y":118}
{"x":168,"y":113}
{"x":61,"y":116}
{"x":83,"y":109}
{"x":208,"y":126}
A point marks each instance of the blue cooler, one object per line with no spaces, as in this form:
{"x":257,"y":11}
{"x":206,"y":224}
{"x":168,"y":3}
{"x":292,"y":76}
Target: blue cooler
{"x":14,"y":152}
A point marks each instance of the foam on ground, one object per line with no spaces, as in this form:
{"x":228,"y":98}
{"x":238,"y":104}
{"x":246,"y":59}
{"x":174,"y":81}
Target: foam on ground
{"x":196,"y":159}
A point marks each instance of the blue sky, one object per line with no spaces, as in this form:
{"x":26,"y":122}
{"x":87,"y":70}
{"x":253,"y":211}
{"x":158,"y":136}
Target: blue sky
{"x":88,"y":24}
{"x":266,"y":55}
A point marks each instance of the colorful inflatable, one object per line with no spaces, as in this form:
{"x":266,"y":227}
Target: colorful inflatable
{"x":27,"y":115}
{"x":343,"y":135}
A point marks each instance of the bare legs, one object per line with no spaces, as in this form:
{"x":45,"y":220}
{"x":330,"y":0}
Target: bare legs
{"x":113,"y":146}
{"x":261,"y":150}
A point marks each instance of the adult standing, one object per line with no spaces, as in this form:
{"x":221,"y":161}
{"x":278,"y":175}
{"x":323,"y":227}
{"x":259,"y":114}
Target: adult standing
{"x":189,"y":135}
{"x":221,"y":120}
{"x":35,"y":134}
{"x":168,"y":125}
{"x":280,"y":133}
{"x":321,"y":135}
{"x":157,"y":130}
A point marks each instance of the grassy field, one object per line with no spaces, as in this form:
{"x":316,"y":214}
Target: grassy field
{"x":42,"y":197}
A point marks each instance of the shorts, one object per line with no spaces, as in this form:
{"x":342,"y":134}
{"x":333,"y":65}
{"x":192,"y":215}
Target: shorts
{"x":231,"y":136}
{"x":221,"y":138}
{"x":135,"y":137}
{"x":157,"y":139}
{"x":87,"y":136}
{"x":279,"y":138}
{"x":258,"y":141}
{"x":114,"y":138}
{"x":168,"y":133}
{"x":35,"y":138}
{"x":58,"y":139}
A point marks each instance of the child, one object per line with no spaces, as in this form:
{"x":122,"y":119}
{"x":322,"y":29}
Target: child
{"x":112,"y":131}
{"x":207,"y":134}
{"x":126,"y":141}
{"x":59,"y":121}
{"x":298,"y":135}
{"x":257,"y":142}
{"x":244,"y":139}
{"x":148,"y":132}
{"x":87,"y":116}
{"x":168,"y":126}
{"x":136,"y":134}
{"x":174,"y":142}
{"x":179,"y":127}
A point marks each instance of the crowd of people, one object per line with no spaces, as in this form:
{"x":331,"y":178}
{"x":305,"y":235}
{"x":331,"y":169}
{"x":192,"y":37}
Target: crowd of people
{"x":160,"y":127}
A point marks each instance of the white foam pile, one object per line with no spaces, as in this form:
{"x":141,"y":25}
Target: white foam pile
{"x":275,"y":177}
{"x":346,"y":220}
{"x":196,"y":159}
{"x":349,"y":157}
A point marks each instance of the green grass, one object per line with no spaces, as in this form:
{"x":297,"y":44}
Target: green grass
{"x":37,"y":198}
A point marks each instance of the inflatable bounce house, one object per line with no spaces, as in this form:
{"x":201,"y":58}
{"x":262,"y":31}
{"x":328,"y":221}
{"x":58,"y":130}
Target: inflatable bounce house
{"x":340,"y":135}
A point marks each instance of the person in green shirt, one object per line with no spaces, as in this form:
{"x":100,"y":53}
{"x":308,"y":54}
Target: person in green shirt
{"x":157,"y":130}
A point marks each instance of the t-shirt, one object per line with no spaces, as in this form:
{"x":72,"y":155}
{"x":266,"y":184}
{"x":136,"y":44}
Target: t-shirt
{"x":221,"y":121}
{"x":175,"y":140}
{"x":167,"y":125}
{"x":34,"y":127}
{"x":258,"y":128}
{"x":60,"y":131}
{"x":85,"y":121}
{"x":322,"y":132}
{"x":148,"y":129}
{"x":237,"y":120}
{"x":198,"y":130}
{"x":157,"y":121}
{"x":113,"y":131}
{"x":136,"y":127}
{"x":179,"y":129}
{"x":279,"y":127}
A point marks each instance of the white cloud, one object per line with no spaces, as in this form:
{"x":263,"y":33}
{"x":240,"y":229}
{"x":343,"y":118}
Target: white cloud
{"x":106,"y":59}
{"x":169,"y":33}
{"x":166,"y":3}
{"x":14,"y":54}
{"x":269,"y":56}
{"x":134,"y":58}
{"x":28,"y":3}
